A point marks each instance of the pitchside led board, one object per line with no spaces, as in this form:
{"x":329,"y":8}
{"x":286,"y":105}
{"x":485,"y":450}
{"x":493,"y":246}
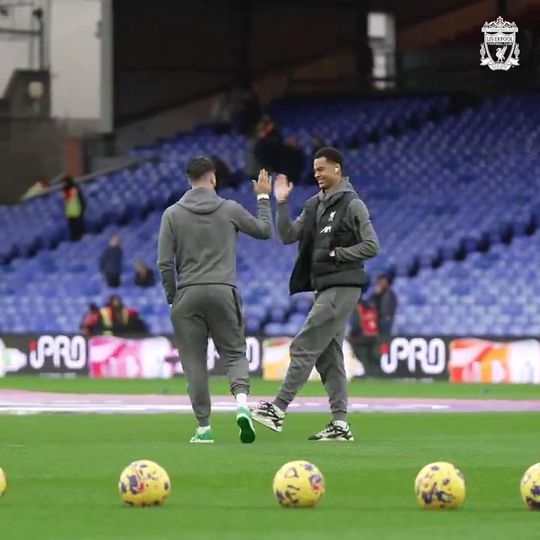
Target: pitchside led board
{"x":458,"y":359}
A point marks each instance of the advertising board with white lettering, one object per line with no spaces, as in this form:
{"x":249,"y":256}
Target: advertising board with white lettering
{"x":106,"y":356}
{"x":44,"y":353}
{"x":414,"y":357}
{"x":458,"y":359}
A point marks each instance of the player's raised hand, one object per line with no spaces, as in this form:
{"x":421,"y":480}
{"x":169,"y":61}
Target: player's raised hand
{"x":263,"y":185}
{"x":282,"y":188}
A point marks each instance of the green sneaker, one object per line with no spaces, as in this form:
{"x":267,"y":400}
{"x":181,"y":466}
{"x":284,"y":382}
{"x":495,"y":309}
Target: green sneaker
{"x":247,"y":431}
{"x":202,"y":437}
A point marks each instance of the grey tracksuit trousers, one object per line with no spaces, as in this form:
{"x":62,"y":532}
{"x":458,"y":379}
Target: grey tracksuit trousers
{"x":319,"y":344}
{"x":200,"y":311}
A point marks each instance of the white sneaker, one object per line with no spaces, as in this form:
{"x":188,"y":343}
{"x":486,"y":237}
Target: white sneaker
{"x":334,"y":432}
{"x":268,"y":415}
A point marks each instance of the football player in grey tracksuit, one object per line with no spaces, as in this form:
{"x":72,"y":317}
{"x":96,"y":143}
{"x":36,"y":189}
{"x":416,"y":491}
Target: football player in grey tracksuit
{"x":197,"y":263}
{"x":336,"y":237}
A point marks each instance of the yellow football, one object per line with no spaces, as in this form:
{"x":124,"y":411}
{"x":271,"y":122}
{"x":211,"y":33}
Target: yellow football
{"x":3,"y":482}
{"x":144,"y":483}
{"x":440,"y":485}
{"x":530,"y":487}
{"x":298,"y":484}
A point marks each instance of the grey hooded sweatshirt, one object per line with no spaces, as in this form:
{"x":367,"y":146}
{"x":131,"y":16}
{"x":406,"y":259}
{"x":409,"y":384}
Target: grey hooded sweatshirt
{"x":197,"y":239}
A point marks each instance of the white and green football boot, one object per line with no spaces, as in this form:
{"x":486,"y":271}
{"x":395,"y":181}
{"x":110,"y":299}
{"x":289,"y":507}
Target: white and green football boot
{"x":202,"y":436}
{"x":247,"y":431}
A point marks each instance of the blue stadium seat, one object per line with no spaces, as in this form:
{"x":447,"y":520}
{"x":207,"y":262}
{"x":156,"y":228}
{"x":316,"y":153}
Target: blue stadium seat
{"x":436,"y":194}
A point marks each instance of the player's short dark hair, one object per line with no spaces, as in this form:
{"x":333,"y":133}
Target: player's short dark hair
{"x":331,"y":154}
{"x":198,"y":167}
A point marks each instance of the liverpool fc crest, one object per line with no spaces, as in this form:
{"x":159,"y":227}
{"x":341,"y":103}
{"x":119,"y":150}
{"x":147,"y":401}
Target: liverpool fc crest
{"x":500,"y":49}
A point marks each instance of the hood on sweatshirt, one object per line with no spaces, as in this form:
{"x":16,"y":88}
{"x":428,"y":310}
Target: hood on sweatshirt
{"x":201,"y":201}
{"x":344,"y":185}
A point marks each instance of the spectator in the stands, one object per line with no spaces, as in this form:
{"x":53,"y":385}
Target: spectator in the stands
{"x":268,"y":147}
{"x":222,"y":112}
{"x":119,"y":320}
{"x":91,"y":324}
{"x":248,"y":112}
{"x":110,"y":262}
{"x":385,"y":301}
{"x":73,"y":208}
{"x":144,"y":276}
{"x":246,"y":120}
{"x":292,"y":160}
{"x":224,"y":176}
{"x":251,"y":167}
{"x":363,"y":336}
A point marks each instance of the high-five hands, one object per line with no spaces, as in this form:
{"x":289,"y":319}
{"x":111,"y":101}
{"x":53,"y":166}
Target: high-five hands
{"x":282,"y":188}
{"x":263,"y":185}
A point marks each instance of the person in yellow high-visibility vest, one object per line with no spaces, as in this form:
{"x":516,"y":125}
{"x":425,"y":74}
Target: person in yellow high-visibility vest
{"x":73,"y":208}
{"x":111,"y":322}
{"x":116,"y":319}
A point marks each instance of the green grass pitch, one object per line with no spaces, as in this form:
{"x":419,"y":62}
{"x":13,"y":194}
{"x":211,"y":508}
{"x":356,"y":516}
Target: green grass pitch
{"x":63,"y":471}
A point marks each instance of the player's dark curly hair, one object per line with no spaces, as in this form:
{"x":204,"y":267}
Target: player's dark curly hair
{"x":198,"y":167}
{"x":331,"y":154}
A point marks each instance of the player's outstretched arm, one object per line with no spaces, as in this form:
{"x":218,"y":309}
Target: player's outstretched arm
{"x":288,"y":231}
{"x":261,"y":226}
